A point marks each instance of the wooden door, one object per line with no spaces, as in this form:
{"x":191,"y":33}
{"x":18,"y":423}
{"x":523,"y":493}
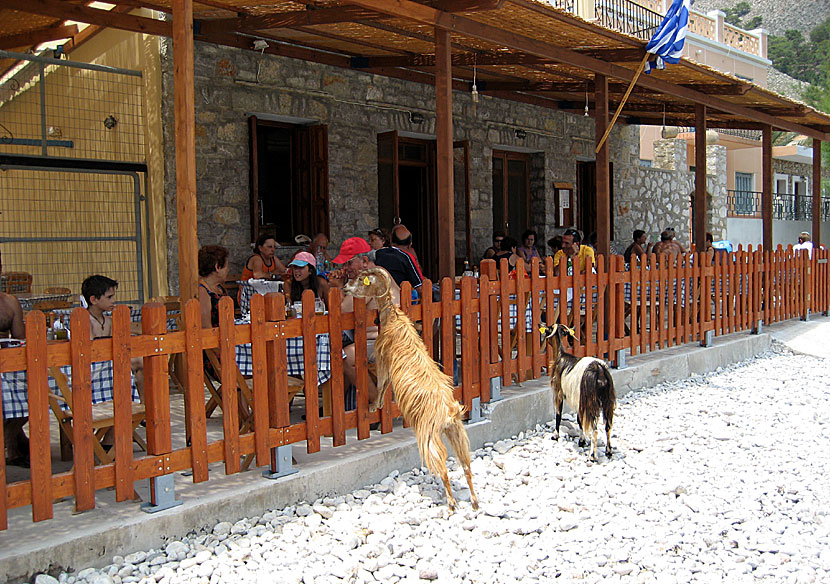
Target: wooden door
{"x":511,"y":192}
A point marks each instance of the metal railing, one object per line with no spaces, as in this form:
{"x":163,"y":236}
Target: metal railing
{"x":566,"y":5}
{"x":627,"y":17}
{"x":785,"y":206}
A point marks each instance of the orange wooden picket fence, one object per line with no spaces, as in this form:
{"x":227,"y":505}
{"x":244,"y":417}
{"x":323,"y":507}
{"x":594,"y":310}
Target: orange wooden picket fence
{"x":473,"y":331}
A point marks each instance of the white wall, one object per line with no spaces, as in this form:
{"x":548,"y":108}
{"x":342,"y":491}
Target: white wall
{"x":750,"y":231}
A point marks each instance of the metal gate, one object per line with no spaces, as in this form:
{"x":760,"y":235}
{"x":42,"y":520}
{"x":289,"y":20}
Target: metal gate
{"x":72,"y":174}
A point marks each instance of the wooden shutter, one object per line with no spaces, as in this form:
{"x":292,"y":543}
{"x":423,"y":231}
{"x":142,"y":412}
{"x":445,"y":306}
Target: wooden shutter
{"x":310,"y":206}
{"x":254,"y":178}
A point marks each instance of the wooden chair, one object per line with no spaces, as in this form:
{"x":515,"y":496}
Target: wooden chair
{"x":49,"y":305}
{"x":102,"y":420}
{"x":246,"y":395}
{"x":16,"y":282}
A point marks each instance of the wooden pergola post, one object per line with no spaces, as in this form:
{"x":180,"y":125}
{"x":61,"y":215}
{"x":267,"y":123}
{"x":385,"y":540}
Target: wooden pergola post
{"x":184,"y":93}
{"x":766,"y":190}
{"x":816,"y":234}
{"x":699,"y":227}
{"x":443,"y":112}
{"x":603,"y":194}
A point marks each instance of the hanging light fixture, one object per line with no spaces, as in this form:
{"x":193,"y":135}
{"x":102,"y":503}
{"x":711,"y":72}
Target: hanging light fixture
{"x":474,"y":88}
{"x":586,"y":100}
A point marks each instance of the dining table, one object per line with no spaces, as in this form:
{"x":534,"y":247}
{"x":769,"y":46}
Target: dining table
{"x":294,"y":353}
{"x":15,"y":388}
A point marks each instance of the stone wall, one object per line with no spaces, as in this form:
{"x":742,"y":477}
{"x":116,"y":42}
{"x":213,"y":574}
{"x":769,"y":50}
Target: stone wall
{"x":356,"y":107}
{"x":660,"y":196}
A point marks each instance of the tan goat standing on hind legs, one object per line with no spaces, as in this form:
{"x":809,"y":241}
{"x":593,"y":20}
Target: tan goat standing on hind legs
{"x":424,"y":393}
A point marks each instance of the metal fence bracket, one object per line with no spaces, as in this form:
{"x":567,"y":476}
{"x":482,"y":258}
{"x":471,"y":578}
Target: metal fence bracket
{"x":620,"y":359}
{"x":806,"y":317}
{"x":163,"y":491}
{"x":708,"y":339}
{"x":495,"y":389}
{"x":759,"y":328}
{"x":475,"y":411}
{"x":281,"y":463}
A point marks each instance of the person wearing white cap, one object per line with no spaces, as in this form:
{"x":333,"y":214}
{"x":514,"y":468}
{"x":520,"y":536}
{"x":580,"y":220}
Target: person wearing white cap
{"x":303,"y":272}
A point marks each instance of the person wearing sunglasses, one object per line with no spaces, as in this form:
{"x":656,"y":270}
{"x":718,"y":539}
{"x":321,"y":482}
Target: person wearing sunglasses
{"x":490,"y":252}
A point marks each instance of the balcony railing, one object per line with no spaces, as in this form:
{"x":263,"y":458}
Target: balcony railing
{"x":785,"y":206}
{"x":628,"y":17}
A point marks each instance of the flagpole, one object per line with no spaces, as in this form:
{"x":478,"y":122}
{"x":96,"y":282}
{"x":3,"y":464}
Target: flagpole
{"x":622,"y":103}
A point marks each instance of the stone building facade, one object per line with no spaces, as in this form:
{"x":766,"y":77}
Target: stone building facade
{"x":660,"y":196}
{"x":356,"y":107}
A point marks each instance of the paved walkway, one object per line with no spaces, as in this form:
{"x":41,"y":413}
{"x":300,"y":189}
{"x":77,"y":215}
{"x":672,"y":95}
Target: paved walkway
{"x":809,"y":338}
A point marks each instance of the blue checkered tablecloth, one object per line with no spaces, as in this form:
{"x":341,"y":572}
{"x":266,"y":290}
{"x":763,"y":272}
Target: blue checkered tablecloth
{"x":16,"y":394}
{"x":246,"y":290}
{"x":135,"y":316}
{"x":294,"y":351}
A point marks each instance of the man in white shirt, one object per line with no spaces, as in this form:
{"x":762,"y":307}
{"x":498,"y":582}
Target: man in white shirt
{"x":804,"y":243}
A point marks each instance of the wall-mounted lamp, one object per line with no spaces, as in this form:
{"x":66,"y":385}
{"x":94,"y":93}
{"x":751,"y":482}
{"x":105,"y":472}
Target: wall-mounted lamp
{"x":416,"y":118}
{"x":260,"y":45}
{"x":54,"y":132}
{"x":110,"y":122}
{"x":521,"y":134}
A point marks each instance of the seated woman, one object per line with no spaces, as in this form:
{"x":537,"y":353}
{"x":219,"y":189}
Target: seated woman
{"x":378,"y":238}
{"x":527,"y":251}
{"x":264,"y":264}
{"x":304,"y":277}
{"x":213,"y":270}
{"x":508,"y":252}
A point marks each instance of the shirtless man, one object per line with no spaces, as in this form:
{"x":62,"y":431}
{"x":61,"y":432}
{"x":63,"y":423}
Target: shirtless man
{"x":11,"y":325}
{"x":667,"y":244}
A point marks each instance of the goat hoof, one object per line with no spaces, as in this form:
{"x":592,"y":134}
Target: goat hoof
{"x":555,"y":436}
{"x":582,"y":443}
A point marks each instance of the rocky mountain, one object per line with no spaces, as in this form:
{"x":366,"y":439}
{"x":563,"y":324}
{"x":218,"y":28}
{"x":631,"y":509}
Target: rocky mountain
{"x":777,"y":16}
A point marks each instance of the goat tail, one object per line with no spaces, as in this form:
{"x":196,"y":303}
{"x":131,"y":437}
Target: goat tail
{"x":596,"y":395}
{"x":432,"y":449}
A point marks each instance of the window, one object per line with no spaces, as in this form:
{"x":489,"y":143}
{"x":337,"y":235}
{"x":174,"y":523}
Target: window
{"x":744,"y":203}
{"x":289,"y":180}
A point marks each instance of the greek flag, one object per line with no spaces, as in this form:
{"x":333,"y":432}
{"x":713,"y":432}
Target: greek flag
{"x":667,"y":42}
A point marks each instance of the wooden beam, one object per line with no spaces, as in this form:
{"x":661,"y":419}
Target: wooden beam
{"x":552,"y":86}
{"x":35,"y":37}
{"x":185,"y":139}
{"x":718,"y":88}
{"x":468,"y":5}
{"x":444,"y":131}
{"x":700,"y":219}
{"x":461,"y":25}
{"x":286,"y":20}
{"x":816,"y":235}
{"x":485,"y":59}
{"x":279,"y":49}
{"x":766,"y":186}
{"x":603,"y":194}
{"x":88,"y":15}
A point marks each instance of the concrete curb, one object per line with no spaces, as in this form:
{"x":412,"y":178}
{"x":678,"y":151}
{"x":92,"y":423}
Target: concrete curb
{"x":92,"y":538}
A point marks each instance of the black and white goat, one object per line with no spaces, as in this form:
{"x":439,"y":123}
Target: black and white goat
{"x":585,"y":383}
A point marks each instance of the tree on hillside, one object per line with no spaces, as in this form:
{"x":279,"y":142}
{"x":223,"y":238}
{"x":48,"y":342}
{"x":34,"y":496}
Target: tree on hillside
{"x":737,"y":12}
{"x":797,"y":57}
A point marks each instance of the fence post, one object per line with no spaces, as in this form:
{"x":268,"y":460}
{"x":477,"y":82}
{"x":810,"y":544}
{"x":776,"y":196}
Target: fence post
{"x":157,"y":409}
{"x":706,"y":297}
{"x":806,"y":283}
{"x":281,"y":459}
